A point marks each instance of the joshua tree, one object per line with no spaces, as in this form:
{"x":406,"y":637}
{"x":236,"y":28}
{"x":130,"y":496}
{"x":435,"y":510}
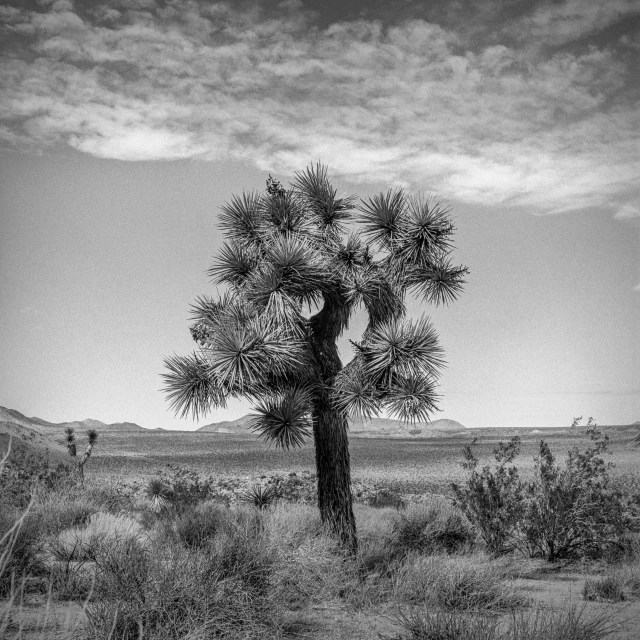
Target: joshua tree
{"x":294,"y":276}
{"x":92,"y":435}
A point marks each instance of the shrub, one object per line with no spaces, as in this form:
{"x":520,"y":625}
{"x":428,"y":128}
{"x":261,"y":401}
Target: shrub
{"x":241,"y":552}
{"x":493,"y":500}
{"x":114,"y":619}
{"x":376,"y":551}
{"x":86,"y":543}
{"x":573,"y":510}
{"x":455,"y":584}
{"x":628,"y":574}
{"x":112,"y":496}
{"x":315,"y":571}
{"x":20,"y":550}
{"x":185,"y":487}
{"x":63,"y":509}
{"x":195,"y":527}
{"x":222,"y":589}
{"x":608,"y":589}
{"x":288,"y":525}
{"x":122,"y":570}
{"x":23,"y":472}
{"x":563,"y":512}
{"x":295,"y":488}
{"x":261,"y":496}
{"x":386,"y":498}
{"x":571,"y":623}
{"x":426,"y":625}
{"x":431,"y":528}
{"x":71,"y":580}
{"x":158,"y":494}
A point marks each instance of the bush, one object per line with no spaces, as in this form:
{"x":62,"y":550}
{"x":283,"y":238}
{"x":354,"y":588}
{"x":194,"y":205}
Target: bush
{"x":288,"y":525}
{"x":572,"y":623}
{"x":426,"y":625}
{"x":241,"y":551}
{"x":456,"y":584}
{"x":563,"y":512}
{"x":85,"y":543}
{"x":261,"y":496}
{"x":386,"y":498}
{"x":60,"y":510}
{"x":431,"y":528}
{"x":315,"y":571}
{"x":493,"y":501}
{"x":575,"y":510}
{"x":185,"y":487}
{"x":111,"y":496}
{"x":195,"y":527}
{"x":608,"y":589}
{"x":71,"y":580}
{"x":23,"y":472}
{"x":122,"y":570}
{"x":222,"y":589}
{"x":20,"y":550}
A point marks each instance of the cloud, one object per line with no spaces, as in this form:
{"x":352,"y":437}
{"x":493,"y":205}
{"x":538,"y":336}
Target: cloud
{"x":557,"y":23}
{"x":628,"y":212}
{"x":408,"y":104}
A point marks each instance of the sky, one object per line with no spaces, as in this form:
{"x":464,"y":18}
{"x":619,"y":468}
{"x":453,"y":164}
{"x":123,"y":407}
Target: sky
{"x":125,"y":126}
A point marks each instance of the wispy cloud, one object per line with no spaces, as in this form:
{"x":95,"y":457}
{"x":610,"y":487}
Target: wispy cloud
{"x":557,"y":23}
{"x":407,"y":104}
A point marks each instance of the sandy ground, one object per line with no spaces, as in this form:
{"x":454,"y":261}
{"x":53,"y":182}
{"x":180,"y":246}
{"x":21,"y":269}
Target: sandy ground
{"x":550,"y":586}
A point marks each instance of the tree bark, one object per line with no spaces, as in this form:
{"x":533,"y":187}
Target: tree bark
{"x":335,"y":499}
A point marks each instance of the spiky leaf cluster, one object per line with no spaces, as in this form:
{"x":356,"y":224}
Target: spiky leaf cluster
{"x":304,"y":249}
{"x":71,"y":441}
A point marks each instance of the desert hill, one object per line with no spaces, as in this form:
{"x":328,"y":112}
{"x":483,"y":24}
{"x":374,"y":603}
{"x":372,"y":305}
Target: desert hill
{"x":45,"y":427}
{"x":36,"y":435}
{"x":385,"y":427}
{"x":228,"y":426}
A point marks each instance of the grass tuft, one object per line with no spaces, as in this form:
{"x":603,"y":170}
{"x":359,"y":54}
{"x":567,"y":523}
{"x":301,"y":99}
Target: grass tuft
{"x":431,"y":528}
{"x":607,"y":589}
{"x":456,"y":584}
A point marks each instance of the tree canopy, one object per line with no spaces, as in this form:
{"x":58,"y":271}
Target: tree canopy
{"x":294,"y":266}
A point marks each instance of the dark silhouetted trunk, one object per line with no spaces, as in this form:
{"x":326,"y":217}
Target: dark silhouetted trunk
{"x":335,"y":499}
{"x":80,"y":463}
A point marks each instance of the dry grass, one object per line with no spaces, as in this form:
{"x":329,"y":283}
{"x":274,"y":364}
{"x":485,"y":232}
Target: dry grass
{"x":238,"y":572}
{"x":462,"y":583}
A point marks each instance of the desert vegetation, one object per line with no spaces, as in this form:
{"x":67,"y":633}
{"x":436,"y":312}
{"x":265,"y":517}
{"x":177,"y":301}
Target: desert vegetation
{"x":287,"y":251}
{"x":80,"y":461}
{"x":180,"y":555}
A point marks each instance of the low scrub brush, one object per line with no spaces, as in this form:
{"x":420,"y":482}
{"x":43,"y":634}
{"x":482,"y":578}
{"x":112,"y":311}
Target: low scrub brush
{"x":431,"y":528}
{"x":608,"y":589}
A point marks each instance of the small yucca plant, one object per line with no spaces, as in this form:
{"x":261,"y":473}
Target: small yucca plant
{"x":261,"y":496}
{"x":71,"y":442}
{"x":92,"y":436}
{"x":158,"y":494}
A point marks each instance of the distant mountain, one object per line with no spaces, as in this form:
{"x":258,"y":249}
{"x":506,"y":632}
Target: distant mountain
{"x":370,"y":428}
{"x":36,"y":434}
{"x":395,"y":428}
{"x":228,"y":426}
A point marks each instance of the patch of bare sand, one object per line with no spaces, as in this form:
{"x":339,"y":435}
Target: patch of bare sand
{"x":559,"y":587}
{"x":39,"y":618}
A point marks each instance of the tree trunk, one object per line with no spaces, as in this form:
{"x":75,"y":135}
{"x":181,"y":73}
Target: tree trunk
{"x":335,"y":499}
